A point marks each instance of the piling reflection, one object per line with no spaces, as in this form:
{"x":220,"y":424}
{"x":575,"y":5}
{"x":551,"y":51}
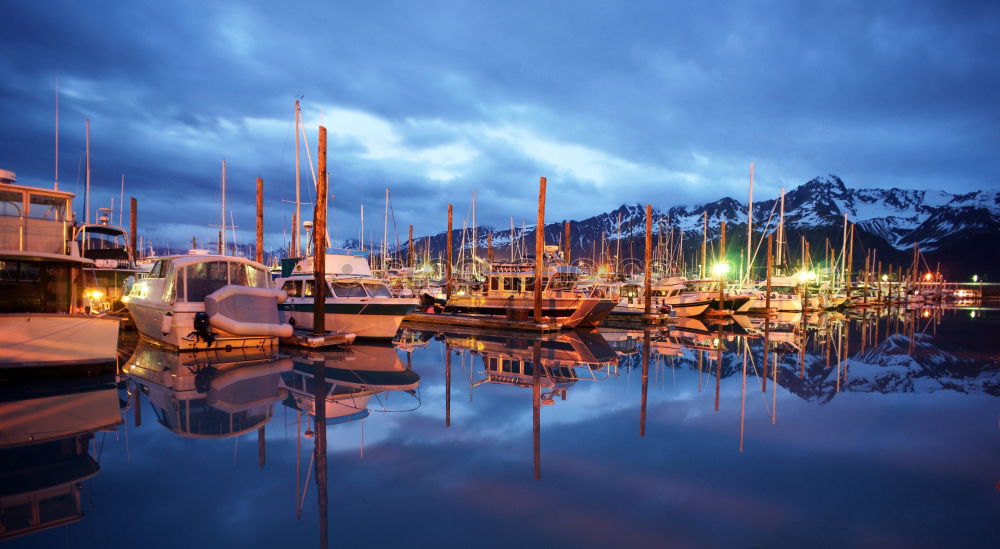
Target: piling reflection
{"x":45,"y":448}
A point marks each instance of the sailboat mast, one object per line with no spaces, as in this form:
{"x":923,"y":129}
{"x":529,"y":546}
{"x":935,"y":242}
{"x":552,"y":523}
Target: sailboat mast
{"x":475,"y":242}
{"x":86,"y":191}
{"x":298,"y":196}
{"x":121,"y":204}
{"x":57,"y":134}
{"x":362,"y":235}
{"x":222,"y":232}
{"x":704,"y":245}
{"x":781,"y":231}
{"x":750,"y":226}
{"x":843,"y":254}
{"x":385,"y":232}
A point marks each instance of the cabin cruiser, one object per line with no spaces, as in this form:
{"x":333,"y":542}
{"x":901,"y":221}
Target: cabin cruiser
{"x":355,"y":301}
{"x":667,"y":294}
{"x":200,"y":301}
{"x":708,"y":289}
{"x":785,"y":295}
{"x":114,"y":270}
{"x":209,"y":394}
{"x":46,"y":431}
{"x":509,"y":291}
{"x":44,"y":318}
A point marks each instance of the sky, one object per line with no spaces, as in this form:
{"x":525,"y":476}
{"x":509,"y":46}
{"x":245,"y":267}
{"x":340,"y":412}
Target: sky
{"x":661,"y":102}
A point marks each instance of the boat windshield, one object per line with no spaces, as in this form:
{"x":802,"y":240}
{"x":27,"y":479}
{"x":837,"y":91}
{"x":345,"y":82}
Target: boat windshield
{"x":563,"y":281}
{"x":348,"y":289}
{"x":34,"y":287}
{"x":194,"y":282}
{"x":377,"y":290}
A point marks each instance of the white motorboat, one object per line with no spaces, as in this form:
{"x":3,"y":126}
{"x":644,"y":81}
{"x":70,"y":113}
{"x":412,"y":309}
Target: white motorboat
{"x":201,"y":301}
{"x":355,"y":301}
{"x":43,"y":309}
{"x":669,"y":293}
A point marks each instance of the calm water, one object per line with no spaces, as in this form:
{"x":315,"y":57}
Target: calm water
{"x":879,"y":432}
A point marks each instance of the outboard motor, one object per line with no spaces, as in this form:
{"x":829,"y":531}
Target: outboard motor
{"x":202,"y":328}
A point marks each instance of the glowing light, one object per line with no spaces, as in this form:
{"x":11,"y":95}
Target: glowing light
{"x":972,"y":314}
{"x":720,"y":269}
{"x":927,"y":313}
{"x":975,"y":278}
{"x":806,"y":276}
{"x":927,"y":276}
{"x":885,"y":278}
{"x":96,"y":294}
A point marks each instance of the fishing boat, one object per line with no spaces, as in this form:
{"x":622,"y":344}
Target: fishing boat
{"x":355,"y":301}
{"x":785,"y":296}
{"x":509,"y":291}
{"x":43,"y":307}
{"x":672,"y":294}
{"x":208,"y":394}
{"x":114,"y":270}
{"x":202,"y":301}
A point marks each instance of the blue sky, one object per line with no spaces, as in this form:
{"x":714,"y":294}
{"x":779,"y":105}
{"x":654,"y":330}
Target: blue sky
{"x":661,"y":102}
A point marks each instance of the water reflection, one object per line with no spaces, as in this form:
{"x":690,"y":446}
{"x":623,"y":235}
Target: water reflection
{"x":45,"y":448}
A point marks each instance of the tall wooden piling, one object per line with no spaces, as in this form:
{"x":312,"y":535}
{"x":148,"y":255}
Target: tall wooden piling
{"x":132,"y":227}
{"x":645,"y":382}
{"x":319,"y":239}
{"x":447,"y":384}
{"x":260,"y":221}
{"x":489,"y":247}
{"x":536,"y":406}
{"x":539,"y":249}
{"x":319,"y":440}
{"x":409,"y":250}
{"x":447,"y":278}
{"x":261,"y":447}
{"x":647,"y":273}
{"x":566,"y":240}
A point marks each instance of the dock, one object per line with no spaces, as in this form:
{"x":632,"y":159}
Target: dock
{"x":630,"y":319}
{"x":304,"y":337}
{"x":478,"y":321}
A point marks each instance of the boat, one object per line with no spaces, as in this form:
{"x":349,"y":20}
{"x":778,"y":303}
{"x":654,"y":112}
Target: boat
{"x":114,"y":270}
{"x":785,"y":296}
{"x":201,"y":301}
{"x":208,"y":394}
{"x":45,"y":442}
{"x":44,"y":318}
{"x":355,"y":301}
{"x":509,"y":292}
{"x":670,"y":294}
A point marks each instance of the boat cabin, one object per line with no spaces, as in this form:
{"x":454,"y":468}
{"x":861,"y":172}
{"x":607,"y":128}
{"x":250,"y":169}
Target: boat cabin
{"x":511,"y":278}
{"x":190,"y":278}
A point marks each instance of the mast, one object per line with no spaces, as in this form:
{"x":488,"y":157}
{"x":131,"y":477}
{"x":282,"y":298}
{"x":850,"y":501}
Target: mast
{"x":781,"y":231}
{"x":121,"y":204}
{"x":385,"y":233}
{"x":843,"y":254}
{"x":222,"y":225}
{"x":704,"y":244}
{"x":750,"y":225}
{"x":86,"y":192}
{"x":362,"y":228}
{"x":298,"y":197}
{"x":57,"y":134}
{"x":474,"y":241}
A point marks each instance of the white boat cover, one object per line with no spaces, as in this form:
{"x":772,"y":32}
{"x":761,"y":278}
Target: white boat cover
{"x":245,"y":311}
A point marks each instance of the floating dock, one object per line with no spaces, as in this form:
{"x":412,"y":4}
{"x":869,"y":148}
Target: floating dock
{"x":304,"y":337}
{"x":483,"y":322}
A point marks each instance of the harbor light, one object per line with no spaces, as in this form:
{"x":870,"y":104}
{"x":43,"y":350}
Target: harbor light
{"x":806,"y":276}
{"x":720,"y":269}
{"x":885,"y":278}
{"x":927,"y":276}
{"x":975,"y":278}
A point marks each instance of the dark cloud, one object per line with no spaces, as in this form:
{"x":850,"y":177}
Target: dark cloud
{"x":614,"y":102}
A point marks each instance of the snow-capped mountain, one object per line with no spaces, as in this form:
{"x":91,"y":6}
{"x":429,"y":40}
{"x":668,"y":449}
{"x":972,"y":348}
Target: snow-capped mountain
{"x":891,"y":221}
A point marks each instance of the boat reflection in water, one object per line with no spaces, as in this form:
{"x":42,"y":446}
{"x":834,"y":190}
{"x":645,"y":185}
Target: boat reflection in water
{"x":351,"y":378}
{"x":548,"y":364}
{"x":45,"y":456}
{"x":209,"y":394}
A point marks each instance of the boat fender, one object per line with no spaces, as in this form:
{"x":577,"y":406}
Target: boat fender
{"x":167,"y":323}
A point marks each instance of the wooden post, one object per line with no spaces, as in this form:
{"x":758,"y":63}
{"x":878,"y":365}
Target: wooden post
{"x":409,"y":251}
{"x":319,"y":440}
{"x":539,"y":249}
{"x":647,"y":274}
{"x":260,"y":221}
{"x":722,"y":276}
{"x":447,"y":384}
{"x":261,"y":449}
{"x":447,"y":278}
{"x":767,"y":298}
{"x":489,"y":247}
{"x":645,"y":382}
{"x":566,"y":254}
{"x":137,"y":404}
{"x":536,"y":406}
{"x":319,"y":240}
{"x":133,"y":210}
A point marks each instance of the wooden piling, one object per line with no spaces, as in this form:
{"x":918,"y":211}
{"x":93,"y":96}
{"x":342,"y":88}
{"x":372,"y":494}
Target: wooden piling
{"x":767,"y":298}
{"x":447,"y":278}
{"x":260,"y":221}
{"x":647,"y":273}
{"x":645,"y":382}
{"x":489,"y":247}
{"x":536,"y":406}
{"x":132,"y":227}
{"x":409,"y":251}
{"x":539,"y":249}
{"x":319,"y":239}
{"x":566,"y":254}
{"x":261,"y":449}
{"x":447,"y":384}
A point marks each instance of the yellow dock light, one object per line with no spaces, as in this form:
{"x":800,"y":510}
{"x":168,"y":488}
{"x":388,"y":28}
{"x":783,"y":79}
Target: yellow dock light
{"x":885,"y":278}
{"x":720,"y":269}
{"x":975,"y":278}
{"x":927,"y":276}
{"x":95,"y":294}
{"x":806,"y":276}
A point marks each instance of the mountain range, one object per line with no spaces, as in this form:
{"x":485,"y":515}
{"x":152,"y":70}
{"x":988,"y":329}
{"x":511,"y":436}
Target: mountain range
{"x":957,"y":230}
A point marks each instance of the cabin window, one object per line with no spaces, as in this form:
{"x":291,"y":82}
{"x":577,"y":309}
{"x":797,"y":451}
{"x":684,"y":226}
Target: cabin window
{"x":203,"y":279}
{"x":377,"y":290}
{"x":508,"y":283}
{"x":308,"y":288}
{"x":529,"y":284}
{"x":47,"y":207}
{"x":244,"y":274}
{"x":34,"y":287}
{"x":11,"y":203}
{"x":157,"y":270}
{"x":564,"y":281}
{"x":292,"y":288}
{"x":348,"y":289}
{"x":494,"y":283}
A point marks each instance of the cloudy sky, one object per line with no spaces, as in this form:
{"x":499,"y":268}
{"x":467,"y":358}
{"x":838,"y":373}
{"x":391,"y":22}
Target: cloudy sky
{"x":663,"y":101}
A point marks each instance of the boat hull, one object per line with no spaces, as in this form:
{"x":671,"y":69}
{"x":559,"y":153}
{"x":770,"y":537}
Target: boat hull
{"x":28,"y":339}
{"x":571,"y":312}
{"x":177,"y":332}
{"x":374,"y":318}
